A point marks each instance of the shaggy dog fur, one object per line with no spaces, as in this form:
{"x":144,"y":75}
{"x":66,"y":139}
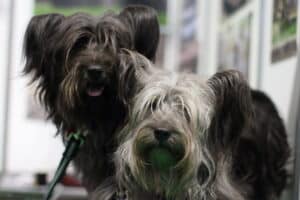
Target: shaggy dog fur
{"x":76,"y":62}
{"x":95,"y":75}
{"x":222,"y":135}
{"x":263,"y":151}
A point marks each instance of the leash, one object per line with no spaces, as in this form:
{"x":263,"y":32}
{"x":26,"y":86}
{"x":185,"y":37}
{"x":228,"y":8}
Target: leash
{"x":75,"y":141}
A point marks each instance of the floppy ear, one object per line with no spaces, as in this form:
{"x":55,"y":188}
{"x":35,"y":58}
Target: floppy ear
{"x":143,"y":24}
{"x":233,"y":108}
{"x":39,"y":35}
{"x":38,"y":41}
{"x":134,"y":68}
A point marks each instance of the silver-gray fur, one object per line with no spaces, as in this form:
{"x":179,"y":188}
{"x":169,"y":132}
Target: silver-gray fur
{"x":184,"y":106}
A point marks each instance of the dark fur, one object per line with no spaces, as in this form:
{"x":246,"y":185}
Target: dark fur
{"x":256,"y":139}
{"x":233,"y":114}
{"x":246,"y":147}
{"x":246,"y":137}
{"x":263,"y":151}
{"x":59,"y":51}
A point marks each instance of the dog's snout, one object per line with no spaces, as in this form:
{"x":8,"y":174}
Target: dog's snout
{"x":161,"y":135}
{"x":94,"y":73}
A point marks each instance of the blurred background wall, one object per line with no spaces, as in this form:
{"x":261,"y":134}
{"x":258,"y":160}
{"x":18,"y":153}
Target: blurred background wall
{"x":201,"y":36}
{"x":4,"y":58}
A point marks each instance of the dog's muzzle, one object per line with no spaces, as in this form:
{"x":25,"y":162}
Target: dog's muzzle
{"x":159,"y":148}
{"x":96,"y":80}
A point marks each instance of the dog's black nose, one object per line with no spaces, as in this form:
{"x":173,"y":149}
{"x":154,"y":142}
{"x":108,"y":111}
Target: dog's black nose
{"x":94,"y":74}
{"x":162,"y":135}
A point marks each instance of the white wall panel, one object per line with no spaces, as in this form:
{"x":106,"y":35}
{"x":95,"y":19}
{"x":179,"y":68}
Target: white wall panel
{"x":31,"y":145}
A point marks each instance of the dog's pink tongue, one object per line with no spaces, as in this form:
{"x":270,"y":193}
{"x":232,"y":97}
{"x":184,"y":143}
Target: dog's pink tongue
{"x":95,"y":92}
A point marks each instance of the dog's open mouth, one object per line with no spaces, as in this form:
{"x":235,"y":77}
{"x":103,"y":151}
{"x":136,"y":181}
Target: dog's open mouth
{"x":95,"y":91}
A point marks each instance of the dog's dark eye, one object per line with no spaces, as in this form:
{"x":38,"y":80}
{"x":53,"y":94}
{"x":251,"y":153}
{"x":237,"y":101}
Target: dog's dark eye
{"x":153,"y":105}
{"x":203,"y":174}
{"x":81,"y":43}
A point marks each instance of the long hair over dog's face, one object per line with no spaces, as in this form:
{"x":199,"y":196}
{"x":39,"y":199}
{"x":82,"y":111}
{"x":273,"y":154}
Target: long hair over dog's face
{"x":190,"y":124}
{"x":75,"y":61}
{"x":166,"y":116}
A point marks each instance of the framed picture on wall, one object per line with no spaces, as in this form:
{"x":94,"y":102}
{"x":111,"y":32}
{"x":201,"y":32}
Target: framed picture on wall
{"x":284,"y":29}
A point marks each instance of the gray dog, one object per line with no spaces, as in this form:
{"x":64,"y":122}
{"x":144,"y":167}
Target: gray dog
{"x":180,"y":136}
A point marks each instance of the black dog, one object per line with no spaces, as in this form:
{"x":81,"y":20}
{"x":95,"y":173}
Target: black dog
{"x":77,"y":63}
